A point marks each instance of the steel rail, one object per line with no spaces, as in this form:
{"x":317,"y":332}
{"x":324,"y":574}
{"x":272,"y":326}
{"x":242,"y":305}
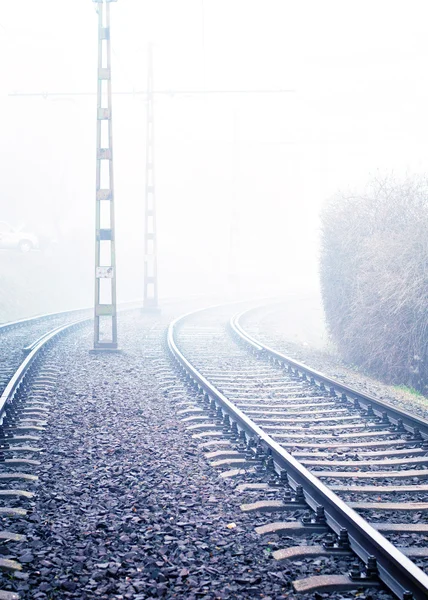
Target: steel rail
{"x":411,"y":422}
{"x":33,"y":349}
{"x":10,"y":396}
{"x":29,"y":320}
{"x":396,"y":571}
{"x":17,"y":379}
{"x":122,"y":306}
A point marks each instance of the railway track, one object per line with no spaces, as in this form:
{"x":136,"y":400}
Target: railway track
{"x":249,"y":402}
{"x":27,"y":382}
{"x":26,"y":387}
{"x":356,"y":462}
{"x":17,"y":335}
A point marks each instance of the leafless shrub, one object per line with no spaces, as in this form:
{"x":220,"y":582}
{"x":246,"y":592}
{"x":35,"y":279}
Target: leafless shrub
{"x":374,"y":279}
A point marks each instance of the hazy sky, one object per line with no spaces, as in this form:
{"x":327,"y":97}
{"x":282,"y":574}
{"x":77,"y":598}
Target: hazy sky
{"x":358,"y":71}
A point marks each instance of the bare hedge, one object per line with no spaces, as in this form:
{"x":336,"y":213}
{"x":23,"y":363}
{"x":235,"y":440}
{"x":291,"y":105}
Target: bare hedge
{"x":374,"y":279}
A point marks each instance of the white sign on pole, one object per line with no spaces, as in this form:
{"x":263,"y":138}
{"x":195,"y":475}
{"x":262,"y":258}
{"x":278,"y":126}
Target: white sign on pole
{"x":104,"y":272}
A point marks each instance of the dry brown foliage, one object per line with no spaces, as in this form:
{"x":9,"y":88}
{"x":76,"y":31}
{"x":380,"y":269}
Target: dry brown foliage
{"x":374,"y":279}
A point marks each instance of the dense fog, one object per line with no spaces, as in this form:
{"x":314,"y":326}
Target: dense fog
{"x":327,"y":94}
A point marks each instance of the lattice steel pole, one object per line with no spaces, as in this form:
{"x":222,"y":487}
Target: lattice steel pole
{"x":233,"y":276}
{"x":105,"y":310}
{"x":233,"y":269}
{"x":150,"y":237}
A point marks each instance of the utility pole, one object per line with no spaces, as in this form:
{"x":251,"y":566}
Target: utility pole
{"x":150,"y":235}
{"x":233,"y":270}
{"x":233,"y":275}
{"x":105,"y":309}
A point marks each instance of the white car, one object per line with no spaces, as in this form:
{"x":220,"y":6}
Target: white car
{"x":15,"y":239}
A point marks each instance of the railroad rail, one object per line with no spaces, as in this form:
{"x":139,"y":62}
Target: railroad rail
{"x":22,"y":419}
{"x":40,"y":318}
{"x":380,"y":408}
{"x":25,"y":387}
{"x":302,"y":424}
{"x":19,"y":336}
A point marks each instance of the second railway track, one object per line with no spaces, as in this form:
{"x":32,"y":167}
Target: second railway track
{"x":17,"y":335}
{"x":361,"y":464}
{"x":26,"y":389}
{"x":26,"y":386}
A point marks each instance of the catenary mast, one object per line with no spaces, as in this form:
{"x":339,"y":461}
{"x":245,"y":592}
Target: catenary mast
{"x":150,"y":237}
{"x":105,"y":310}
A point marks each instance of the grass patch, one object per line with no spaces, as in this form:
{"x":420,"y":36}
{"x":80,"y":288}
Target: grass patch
{"x":410,"y":390}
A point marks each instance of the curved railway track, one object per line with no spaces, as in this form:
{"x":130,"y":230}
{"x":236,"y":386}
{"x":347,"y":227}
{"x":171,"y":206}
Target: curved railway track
{"x":26,"y":383}
{"x":21,"y":336}
{"x":359,"y":463}
{"x":17,"y":335}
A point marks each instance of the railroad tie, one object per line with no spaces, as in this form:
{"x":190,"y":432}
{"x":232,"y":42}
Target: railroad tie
{"x":420,"y":474}
{"x":291,"y":528}
{"x":332,"y":583}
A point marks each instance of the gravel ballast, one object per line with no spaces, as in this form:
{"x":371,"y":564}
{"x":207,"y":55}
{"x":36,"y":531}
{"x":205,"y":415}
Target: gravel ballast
{"x":126,"y":505}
